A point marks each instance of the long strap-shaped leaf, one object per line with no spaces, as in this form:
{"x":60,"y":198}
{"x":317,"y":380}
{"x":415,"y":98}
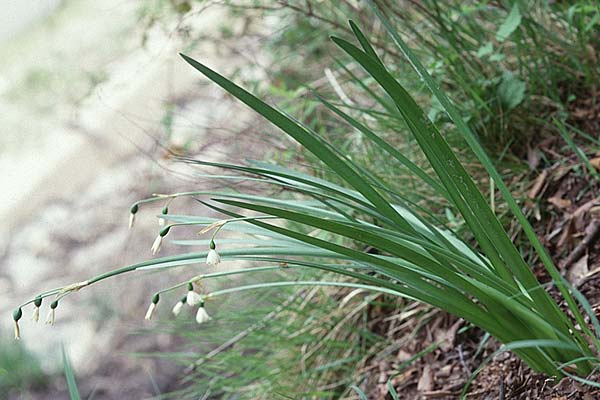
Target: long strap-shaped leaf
{"x":476,"y":147}
{"x":307,"y":140}
{"x":460,"y":186}
{"x":445,"y":297}
{"x":506,"y":311}
{"x":386,"y":147}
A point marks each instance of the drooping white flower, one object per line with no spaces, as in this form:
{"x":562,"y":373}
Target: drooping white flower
{"x":36,"y":314}
{"x":37,"y":303}
{"x":17,"y":314}
{"x":51,"y":317}
{"x":156,"y":245}
{"x":213,"y":257}
{"x":177,"y":308}
{"x":17,"y":331}
{"x":132,"y":211}
{"x":202,"y":316}
{"x":161,"y":221}
{"x":193,"y":298}
{"x":152,"y":306}
{"x":52,"y":314}
{"x":150,"y":311}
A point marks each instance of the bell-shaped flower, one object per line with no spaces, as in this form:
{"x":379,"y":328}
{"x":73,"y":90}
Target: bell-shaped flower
{"x":202,"y":316}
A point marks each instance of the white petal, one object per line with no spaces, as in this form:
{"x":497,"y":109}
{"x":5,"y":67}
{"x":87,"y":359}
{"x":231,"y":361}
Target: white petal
{"x":161,"y":221}
{"x":17,"y":331}
{"x":213,"y":257}
{"x":36,"y":314}
{"x":202,"y":316}
{"x":131,"y":220}
{"x":193,"y":298}
{"x":156,"y":245}
{"x":177,"y":308}
{"x":150,"y":311}
{"x":51,"y":317}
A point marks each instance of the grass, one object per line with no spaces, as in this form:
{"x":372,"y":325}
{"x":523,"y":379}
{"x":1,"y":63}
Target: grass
{"x":310,"y":338}
{"x":19,"y":369}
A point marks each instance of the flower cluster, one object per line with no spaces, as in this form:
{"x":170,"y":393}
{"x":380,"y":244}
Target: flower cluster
{"x":195,"y":299}
{"x":37,"y":303}
{"x":192,"y":299}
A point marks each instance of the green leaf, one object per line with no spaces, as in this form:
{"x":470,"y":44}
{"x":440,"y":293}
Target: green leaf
{"x":70,"y":377}
{"x":511,"y":91}
{"x":359,"y":392}
{"x":510,"y":24}
{"x":477,"y":148}
{"x":302,"y":136}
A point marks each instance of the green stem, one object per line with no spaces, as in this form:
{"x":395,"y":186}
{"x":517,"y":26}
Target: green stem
{"x":303,"y":283}
{"x":219,"y":274}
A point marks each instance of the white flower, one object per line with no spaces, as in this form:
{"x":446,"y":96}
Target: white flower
{"x":193,"y":298}
{"x":51,"y":317}
{"x":156,"y":245}
{"x":213,"y":257}
{"x":202,"y":316}
{"x":161,"y":221}
{"x":17,"y":331}
{"x":131,"y":220}
{"x":36,"y":314}
{"x":177,"y":308}
{"x":150,"y":311}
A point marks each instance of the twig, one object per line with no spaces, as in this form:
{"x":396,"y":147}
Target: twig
{"x":592,"y":235}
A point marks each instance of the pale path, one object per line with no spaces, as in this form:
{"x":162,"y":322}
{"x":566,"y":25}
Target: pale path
{"x":66,"y":197}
